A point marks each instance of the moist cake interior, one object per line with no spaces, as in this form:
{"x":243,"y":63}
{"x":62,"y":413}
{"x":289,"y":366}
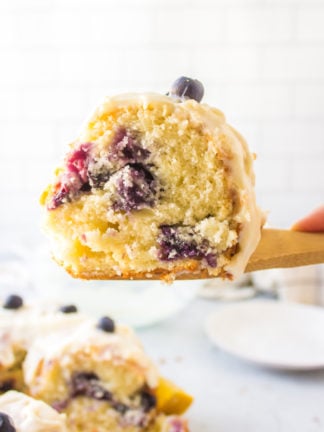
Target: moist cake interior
{"x":146,"y":188}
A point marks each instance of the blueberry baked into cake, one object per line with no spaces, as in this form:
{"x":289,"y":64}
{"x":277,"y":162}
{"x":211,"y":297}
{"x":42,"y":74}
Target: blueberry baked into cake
{"x":95,"y":374}
{"x":154,"y":186}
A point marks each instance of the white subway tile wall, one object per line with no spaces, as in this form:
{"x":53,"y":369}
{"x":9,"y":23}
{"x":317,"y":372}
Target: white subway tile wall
{"x":261,"y":61}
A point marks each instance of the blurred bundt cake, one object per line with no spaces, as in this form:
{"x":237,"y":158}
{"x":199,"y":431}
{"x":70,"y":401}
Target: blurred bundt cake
{"x":95,"y":372}
{"x":22,"y":413}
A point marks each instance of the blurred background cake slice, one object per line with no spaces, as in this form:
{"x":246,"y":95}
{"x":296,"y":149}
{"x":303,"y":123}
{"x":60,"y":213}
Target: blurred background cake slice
{"x":21,"y":413}
{"x":100,"y":377}
{"x":20,"y":325}
{"x":94,"y":371}
{"x":154,"y":186}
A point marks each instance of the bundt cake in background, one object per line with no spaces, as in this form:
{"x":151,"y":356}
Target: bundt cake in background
{"x":95,"y":372}
{"x":22,"y":413}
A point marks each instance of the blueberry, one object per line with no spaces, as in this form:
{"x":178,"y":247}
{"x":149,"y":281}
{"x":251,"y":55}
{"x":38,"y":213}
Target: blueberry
{"x":120,"y":407}
{"x":99,"y":173}
{"x":77,"y":161}
{"x":136,"y":188}
{"x":60,"y":196}
{"x":106,"y":324}
{"x":177,"y":242}
{"x":13,"y":302}
{"x":60,"y":405}
{"x":211,"y":259}
{"x":6,"y":424}
{"x":85,"y":187}
{"x":187,"y":88}
{"x":125,"y":148}
{"x":74,"y":179}
{"x":88,"y":384}
{"x":6,"y":385}
{"x":148,"y":400}
{"x":85,"y":376}
{"x":82,"y":383}
{"x":180,"y":242}
{"x":68,"y":309}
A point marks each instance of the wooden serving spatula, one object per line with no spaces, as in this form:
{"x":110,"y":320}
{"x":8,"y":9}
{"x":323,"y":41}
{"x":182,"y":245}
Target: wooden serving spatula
{"x":276,"y":249}
{"x":286,"y":248}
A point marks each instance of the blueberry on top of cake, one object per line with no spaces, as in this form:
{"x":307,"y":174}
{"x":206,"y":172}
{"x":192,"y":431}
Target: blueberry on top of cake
{"x":13,"y":301}
{"x":154,"y":186}
{"x":101,"y":378}
{"x":95,"y":371}
{"x":20,"y":327}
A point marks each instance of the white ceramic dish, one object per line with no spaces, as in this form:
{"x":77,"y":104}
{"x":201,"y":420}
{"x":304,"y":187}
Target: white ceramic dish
{"x":136,"y":303}
{"x":270,"y":334}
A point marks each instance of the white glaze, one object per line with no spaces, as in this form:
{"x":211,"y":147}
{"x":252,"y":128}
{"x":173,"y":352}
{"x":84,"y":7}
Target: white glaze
{"x":20,"y":328}
{"x":31,"y":415}
{"x":48,"y":334}
{"x":122,"y":344}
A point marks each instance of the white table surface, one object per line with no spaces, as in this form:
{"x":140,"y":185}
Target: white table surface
{"x":231,"y":395}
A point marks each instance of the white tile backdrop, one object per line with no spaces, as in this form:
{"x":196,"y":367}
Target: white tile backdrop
{"x":262,"y":62}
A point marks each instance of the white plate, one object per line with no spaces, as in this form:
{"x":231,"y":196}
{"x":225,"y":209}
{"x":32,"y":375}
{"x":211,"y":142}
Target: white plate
{"x":271,"y":334}
{"x":136,"y":303}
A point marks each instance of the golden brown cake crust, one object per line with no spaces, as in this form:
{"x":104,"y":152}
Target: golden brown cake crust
{"x":182,"y":272}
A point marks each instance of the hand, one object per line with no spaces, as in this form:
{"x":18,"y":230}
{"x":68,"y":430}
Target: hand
{"x":314,"y":222}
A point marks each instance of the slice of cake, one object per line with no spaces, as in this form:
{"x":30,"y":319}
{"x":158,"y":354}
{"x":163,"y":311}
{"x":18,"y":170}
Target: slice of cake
{"x":96,"y":372}
{"x":100,"y":377}
{"x":154,"y":186}
{"x":21,"y":413}
{"x":20,"y":325}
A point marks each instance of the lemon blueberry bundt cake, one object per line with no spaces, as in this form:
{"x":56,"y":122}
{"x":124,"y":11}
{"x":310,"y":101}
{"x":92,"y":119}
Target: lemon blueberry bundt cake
{"x":21,"y":413}
{"x":20,"y":325}
{"x":154,"y":186}
{"x":96,"y":372}
{"x":100,"y":377}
